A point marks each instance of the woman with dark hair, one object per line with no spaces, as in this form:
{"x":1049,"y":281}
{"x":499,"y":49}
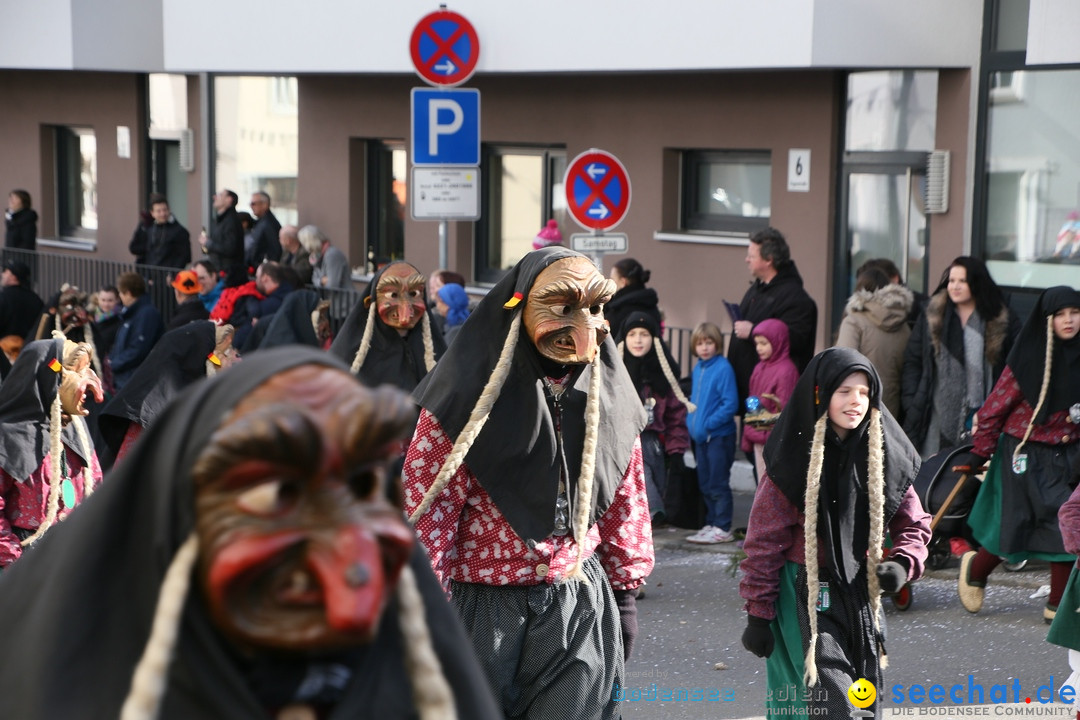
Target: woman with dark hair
{"x":955,"y":354}
{"x":632,"y":295}
{"x":21,"y":222}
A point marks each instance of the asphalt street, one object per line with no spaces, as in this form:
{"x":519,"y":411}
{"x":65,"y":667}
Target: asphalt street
{"x":691,"y":621}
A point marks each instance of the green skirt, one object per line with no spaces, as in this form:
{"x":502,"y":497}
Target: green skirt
{"x":786,"y":694}
{"x":1065,"y":630}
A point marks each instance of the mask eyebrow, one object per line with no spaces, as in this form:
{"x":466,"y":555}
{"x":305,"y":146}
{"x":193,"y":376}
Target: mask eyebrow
{"x":415,"y":281}
{"x":276,"y":434}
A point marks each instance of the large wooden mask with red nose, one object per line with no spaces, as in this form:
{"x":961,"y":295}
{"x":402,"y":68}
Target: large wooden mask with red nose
{"x":300,"y":543}
{"x":399,"y":296}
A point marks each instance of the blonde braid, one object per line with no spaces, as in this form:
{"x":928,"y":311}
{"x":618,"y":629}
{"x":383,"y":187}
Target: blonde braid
{"x":55,"y":450}
{"x":1045,"y":384}
{"x":88,"y":452}
{"x":429,"y":344}
{"x":477,"y":418}
{"x":211,"y":369}
{"x":151,"y":674}
{"x":432,"y":695}
{"x":810,"y":521}
{"x":365,"y":342}
{"x":690,"y":407}
{"x":876,"y":490}
{"x":583,"y":501}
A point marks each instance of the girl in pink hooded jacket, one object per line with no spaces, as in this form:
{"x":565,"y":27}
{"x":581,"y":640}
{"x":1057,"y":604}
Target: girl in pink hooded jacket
{"x":774,"y":375}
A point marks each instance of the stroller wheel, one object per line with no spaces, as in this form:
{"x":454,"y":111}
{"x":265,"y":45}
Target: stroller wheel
{"x":1015,"y":567}
{"x":939,"y":553}
{"x":902,"y":598}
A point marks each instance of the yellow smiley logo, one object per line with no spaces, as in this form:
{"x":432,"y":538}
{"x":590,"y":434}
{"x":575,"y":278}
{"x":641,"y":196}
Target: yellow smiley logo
{"x":862,"y":693}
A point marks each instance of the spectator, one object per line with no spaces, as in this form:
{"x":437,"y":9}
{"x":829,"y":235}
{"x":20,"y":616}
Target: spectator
{"x":954,"y":356}
{"x":107,"y":320}
{"x":875,"y":324}
{"x":140,"y":328}
{"x":654,"y":373}
{"x":452,"y":304}
{"x":777,"y":292}
{"x":712,"y":428}
{"x":270,"y":281}
{"x":330,"y":266}
{"x":888,"y":267}
{"x":435,"y":281}
{"x":225,"y":246}
{"x":631,"y":295}
{"x":294,"y":255}
{"x":247,"y":223}
{"x":210,"y":283}
{"x":549,"y":235}
{"x":164,"y":242}
{"x":772,"y":382}
{"x":188,"y":308}
{"x":21,"y":221}
{"x":20,"y":307}
{"x":266,"y":230}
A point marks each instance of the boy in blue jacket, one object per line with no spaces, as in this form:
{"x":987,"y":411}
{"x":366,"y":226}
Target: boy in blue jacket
{"x":712,"y":428}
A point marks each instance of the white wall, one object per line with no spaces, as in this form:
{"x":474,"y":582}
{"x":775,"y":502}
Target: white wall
{"x":285,"y":36}
{"x":1052,"y":26}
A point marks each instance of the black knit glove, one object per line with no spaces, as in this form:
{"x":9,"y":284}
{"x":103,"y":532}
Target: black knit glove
{"x":892,"y":574}
{"x":626,"y":600}
{"x":758,"y":636}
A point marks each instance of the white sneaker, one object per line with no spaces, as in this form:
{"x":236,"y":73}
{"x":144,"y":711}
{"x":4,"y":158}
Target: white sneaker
{"x":710,"y":535}
{"x":700,"y":534}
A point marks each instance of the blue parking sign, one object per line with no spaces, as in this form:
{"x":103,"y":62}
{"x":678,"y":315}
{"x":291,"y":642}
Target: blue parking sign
{"x":446,"y":126}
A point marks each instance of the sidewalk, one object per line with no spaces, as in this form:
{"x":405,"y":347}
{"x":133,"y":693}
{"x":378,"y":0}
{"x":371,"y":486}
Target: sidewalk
{"x":1034,"y":575}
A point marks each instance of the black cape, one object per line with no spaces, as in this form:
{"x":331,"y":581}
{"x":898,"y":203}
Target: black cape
{"x":516,"y":457}
{"x":104,"y":566}
{"x":392,"y":359}
{"x":1027,"y":359}
{"x":25,"y":404}
{"x":291,"y":324}
{"x":843,"y":511}
{"x":177,"y":360}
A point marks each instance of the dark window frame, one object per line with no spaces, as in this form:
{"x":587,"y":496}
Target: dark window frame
{"x":691,"y":221}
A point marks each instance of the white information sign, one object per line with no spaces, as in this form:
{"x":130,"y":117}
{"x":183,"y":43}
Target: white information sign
{"x":599,"y":244}
{"x":445,"y":193}
{"x":798,"y":170}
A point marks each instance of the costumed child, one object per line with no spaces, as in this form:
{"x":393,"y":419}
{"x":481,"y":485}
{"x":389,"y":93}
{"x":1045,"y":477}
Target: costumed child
{"x":771,"y":382}
{"x":838,"y":476}
{"x":1065,"y":628}
{"x":655,"y":373}
{"x":712,"y":428}
{"x":1034,"y":451}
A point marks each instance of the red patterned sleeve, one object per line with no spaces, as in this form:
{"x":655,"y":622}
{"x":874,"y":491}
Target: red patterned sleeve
{"x":438,"y":527}
{"x":994,"y":413}
{"x":626,"y":547}
{"x":10,"y":548}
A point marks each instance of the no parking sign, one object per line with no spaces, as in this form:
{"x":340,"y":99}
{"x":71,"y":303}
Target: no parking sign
{"x":597,"y":190}
{"x":444,"y":48}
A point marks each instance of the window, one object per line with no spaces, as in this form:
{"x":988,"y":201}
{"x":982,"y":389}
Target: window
{"x":726,"y":190}
{"x":255,"y":141}
{"x":387,"y":188}
{"x":76,"y":182}
{"x":522,"y":189}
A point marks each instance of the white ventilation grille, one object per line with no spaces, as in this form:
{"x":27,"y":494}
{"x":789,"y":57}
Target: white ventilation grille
{"x":937,"y":182}
{"x":187,"y":150}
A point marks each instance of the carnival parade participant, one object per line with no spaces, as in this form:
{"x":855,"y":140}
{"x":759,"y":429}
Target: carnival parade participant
{"x":525,"y":482}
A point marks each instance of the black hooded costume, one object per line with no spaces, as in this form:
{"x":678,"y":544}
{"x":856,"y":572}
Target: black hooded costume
{"x":392,"y":359}
{"x":176,"y":361}
{"x":104,"y":568}
{"x":533,"y":440}
{"x":842,"y":638}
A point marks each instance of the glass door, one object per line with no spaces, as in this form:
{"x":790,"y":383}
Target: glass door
{"x":883,"y":216}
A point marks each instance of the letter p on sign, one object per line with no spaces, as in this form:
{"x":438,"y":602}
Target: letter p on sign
{"x":446,"y":126}
{"x":435,"y":128}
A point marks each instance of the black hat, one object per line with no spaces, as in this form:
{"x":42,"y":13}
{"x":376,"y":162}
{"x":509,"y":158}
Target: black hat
{"x":19,"y":269}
